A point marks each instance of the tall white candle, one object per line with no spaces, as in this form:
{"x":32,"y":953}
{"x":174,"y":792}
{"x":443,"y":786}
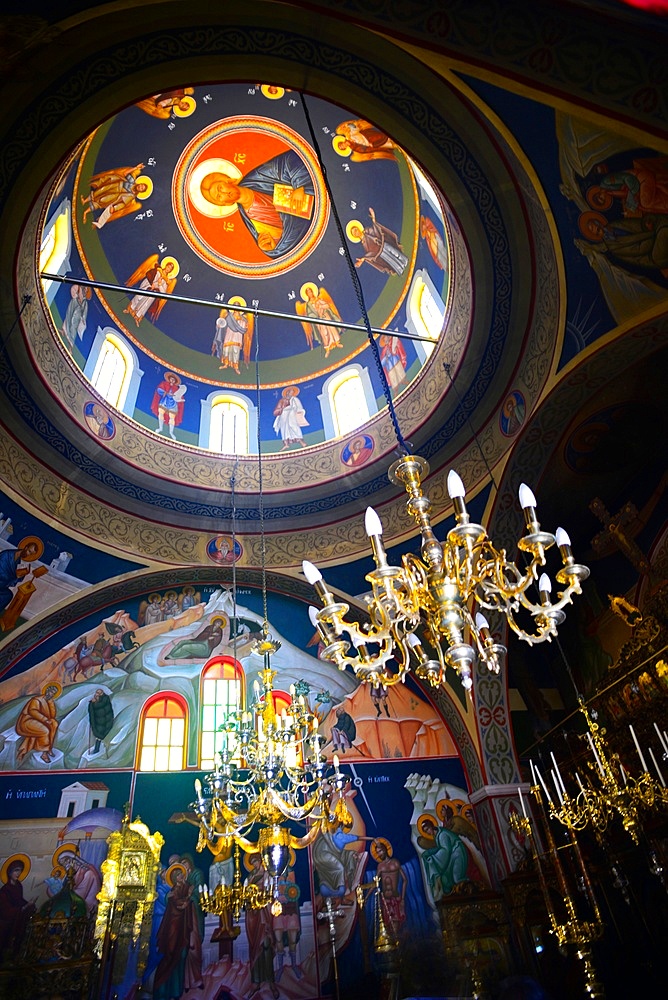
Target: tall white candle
{"x":664,"y":745}
{"x":556,"y":785}
{"x":657,"y":768}
{"x":540,"y":778}
{"x":534,"y":780}
{"x":635,"y":740}
{"x":558,"y":773}
{"x":596,"y":756}
{"x":519,"y":792}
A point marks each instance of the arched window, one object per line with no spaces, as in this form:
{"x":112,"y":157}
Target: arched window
{"x":425,"y":315}
{"x":112,"y":372}
{"x":54,"y":252}
{"x":228,"y":423}
{"x":222,"y":693}
{"x":228,"y":428}
{"x":162,"y":729}
{"x":347,"y":401}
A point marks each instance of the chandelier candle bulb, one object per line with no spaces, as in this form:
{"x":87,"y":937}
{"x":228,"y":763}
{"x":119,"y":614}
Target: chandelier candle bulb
{"x":456,"y":492}
{"x":658,"y":771}
{"x":524,"y":812}
{"x":635,"y":740}
{"x":544,"y":589}
{"x":662,"y":741}
{"x":528,"y":505}
{"x":594,"y":751}
{"x":564,"y":543}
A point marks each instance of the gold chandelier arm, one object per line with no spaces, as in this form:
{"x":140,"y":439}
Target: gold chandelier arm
{"x":292,"y":811}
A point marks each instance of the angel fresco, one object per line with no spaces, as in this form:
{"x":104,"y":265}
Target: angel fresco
{"x":319,"y":306}
{"x":178,"y":102}
{"x":116,"y":193}
{"x":234,"y":335}
{"x":153,"y":275}
{"x":362,"y":141}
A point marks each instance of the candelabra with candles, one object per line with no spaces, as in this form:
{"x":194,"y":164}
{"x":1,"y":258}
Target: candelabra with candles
{"x":608,"y":790}
{"x":575,"y":930}
{"x":434,"y":594}
{"x":270,"y":770}
{"x":232,"y":899}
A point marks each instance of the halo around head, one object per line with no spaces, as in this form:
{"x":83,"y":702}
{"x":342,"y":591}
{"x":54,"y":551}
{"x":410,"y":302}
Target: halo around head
{"x":305,"y":287}
{"x":354,"y":224}
{"x":15,"y":859}
{"x":32,"y":540}
{"x":374,"y":848}
{"x":185,"y":107}
{"x":144,"y":179}
{"x":175,"y":266}
{"x":214,"y":165}
{"x":172,"y":870}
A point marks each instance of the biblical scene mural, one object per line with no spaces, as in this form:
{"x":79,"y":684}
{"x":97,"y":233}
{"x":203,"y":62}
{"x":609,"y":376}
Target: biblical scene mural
{"x":217,"y":195}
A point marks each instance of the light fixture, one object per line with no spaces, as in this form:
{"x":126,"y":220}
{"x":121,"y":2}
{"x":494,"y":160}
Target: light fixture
{"x":420,"y":613}
{"x":270,"y":771}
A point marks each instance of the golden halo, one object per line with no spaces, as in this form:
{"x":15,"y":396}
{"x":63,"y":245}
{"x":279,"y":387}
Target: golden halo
{"x":172,"y":375}
{"x":27,"y":863}
{"x":290,"y":391}
{"x":267,"y":93}
{"x":181,"y":112}
{"x":247,"y":862}
{"x":215,"y":165}
{"x":171,"y":871}
{"x":421,"y":822}
{"x":219,"y":618}
{"x":237,"y":300}
{"x":340,"y":144}
{"x":34,"y":540}
{"x":52,"y":684}
{"x":143,"y":179}
{"x":63,"y":849}
{"x":354,"y":224}
{"x":307,"y":285}
{"x":175,"y":266}
{"x":440,"y":807}
{"x":58,"y":872}
{"x":386,"y":844}
{"x":152,"y":597}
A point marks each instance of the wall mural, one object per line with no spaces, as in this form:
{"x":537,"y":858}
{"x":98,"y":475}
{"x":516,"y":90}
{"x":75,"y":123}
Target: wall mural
{"x":74,"y":745}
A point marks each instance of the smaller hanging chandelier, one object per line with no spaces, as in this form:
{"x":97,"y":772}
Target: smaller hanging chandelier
{"x":270,"y":770}
{"x":420,"y":612}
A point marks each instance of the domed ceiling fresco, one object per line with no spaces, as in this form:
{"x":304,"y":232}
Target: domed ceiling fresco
{"x":246,"y":249}
{"x":232,"y":197}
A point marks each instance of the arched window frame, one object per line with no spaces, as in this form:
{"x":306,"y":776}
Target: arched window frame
{"x":133,"y":375}
{"x":326,"y":399}
{"x":56,"y":246}
{"x":163,"y":696}
{"x":206,"y":408}
{"x":217,"y":710}
{"x":416,"y":323}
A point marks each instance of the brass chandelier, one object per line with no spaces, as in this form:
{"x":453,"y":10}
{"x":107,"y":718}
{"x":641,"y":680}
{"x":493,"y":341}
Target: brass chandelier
{"x":421,"y":616}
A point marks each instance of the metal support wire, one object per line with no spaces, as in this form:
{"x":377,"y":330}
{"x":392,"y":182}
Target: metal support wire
{"x":357,"y":285}
{"x":263,"y":546}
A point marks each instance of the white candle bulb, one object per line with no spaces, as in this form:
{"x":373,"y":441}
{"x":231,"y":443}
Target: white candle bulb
{"x":481,"y":621}
{"x":527,"y":499}
{"x":335,"y":761}
{"x":524,"y":812}
{"x":635,"y":740}
{"x":545,"y":584}
{"x":562,"y":537}
{"x":372,"y":524}
{"x":455,"y":485}
{"x":311,"y":572}
{"x":313,"y":615}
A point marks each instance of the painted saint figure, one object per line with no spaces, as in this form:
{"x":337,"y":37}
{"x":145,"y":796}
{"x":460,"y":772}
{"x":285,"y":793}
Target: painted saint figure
{"x":383,"y":251}
{"x":168,"y":403}
{"x":100,"y":717}
{"x":38,"y":725}
{"x":319,"y":307}
{"x":275,"y":200}
{"x":14,"y":566}
{"x":393,"y":359}
{"x":260,"y":933}
{"x":15,"y":911}
{"x":393,"y":883}
{"x":290,"y":418}
{"x":178,"y":101}
{"x":76,"y":314}
{"x":434,"y":241}
{"x":116,"y":193}
{"x":362,"y":141}
{"x":155,"y":277}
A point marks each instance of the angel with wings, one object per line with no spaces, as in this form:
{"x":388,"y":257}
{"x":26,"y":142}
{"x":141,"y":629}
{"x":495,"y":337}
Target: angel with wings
{"x":317,"y":307}
{"x":155,"y":277}
{"x":234,"y":335}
